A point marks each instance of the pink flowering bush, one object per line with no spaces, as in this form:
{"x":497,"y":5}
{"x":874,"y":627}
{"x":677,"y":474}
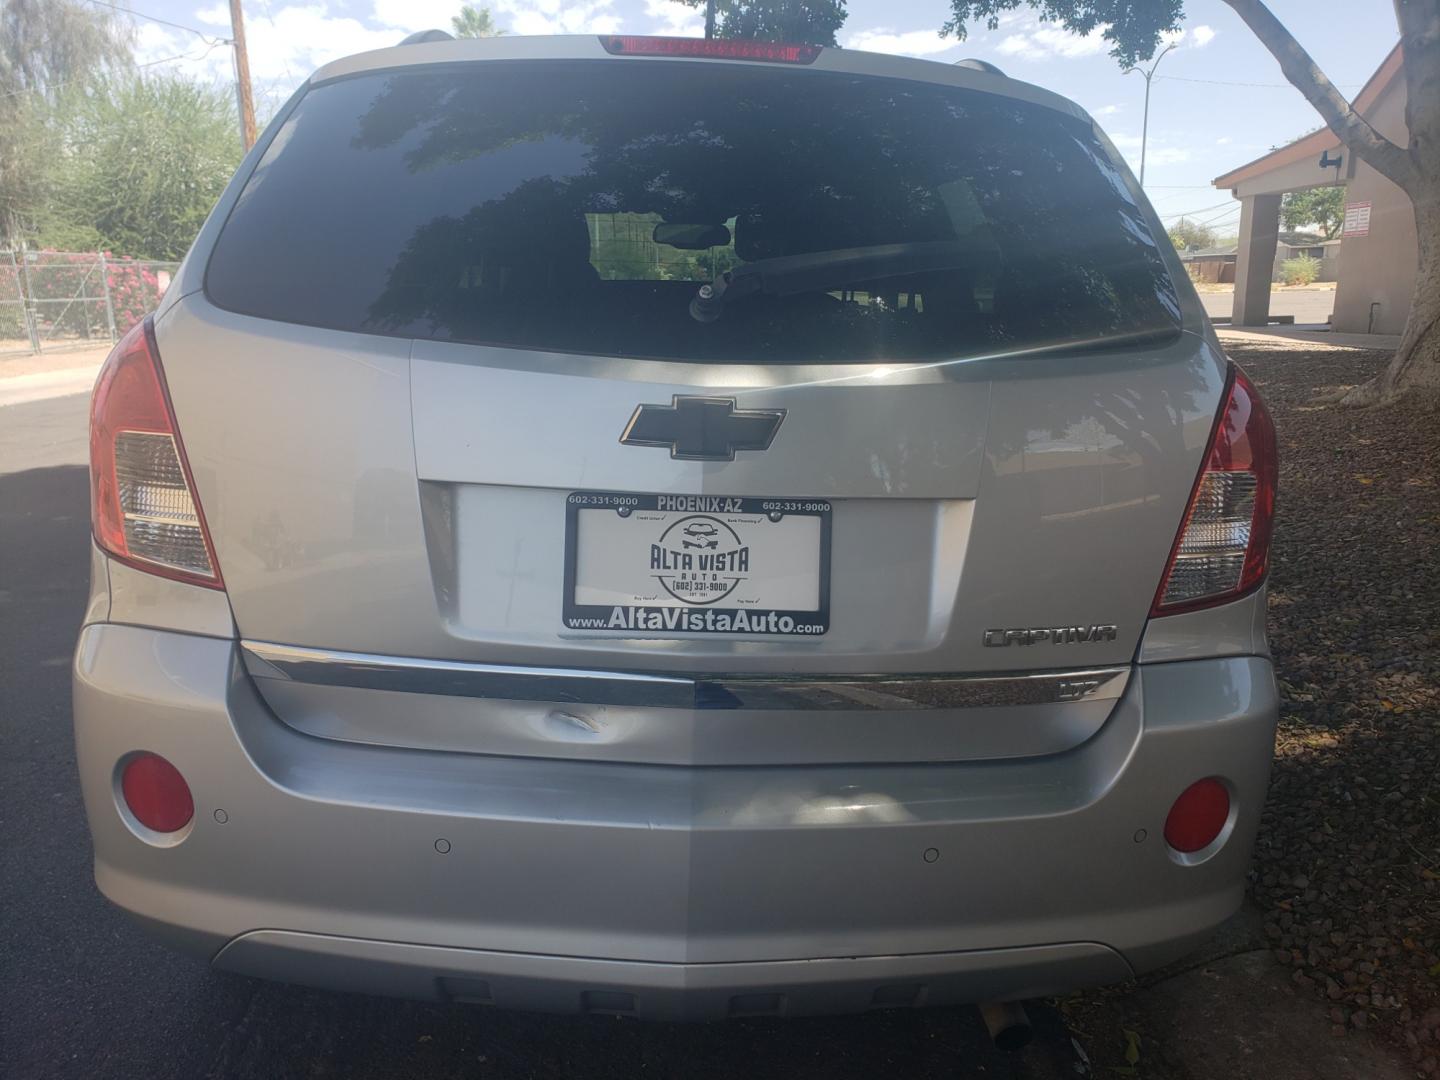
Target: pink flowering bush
{"x":68,"y":292}
{"x":134,"y":290}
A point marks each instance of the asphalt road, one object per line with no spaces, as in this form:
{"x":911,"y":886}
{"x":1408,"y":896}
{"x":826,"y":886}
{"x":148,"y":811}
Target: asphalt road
{"x":1307,"y":306}
{"x":84,"y":994}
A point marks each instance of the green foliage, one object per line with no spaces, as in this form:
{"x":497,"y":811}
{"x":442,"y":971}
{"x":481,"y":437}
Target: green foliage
{"x":1301,"y":270}
{"x":1186,"y":235}
{"x":1133,"y":27}
{"x":811,"y":22}
{"x":46,"y":46}
{"x":473,"y":22}
{"x":621,"y":249}
{"x":134,"y":165}
{"x":1322,"y":207}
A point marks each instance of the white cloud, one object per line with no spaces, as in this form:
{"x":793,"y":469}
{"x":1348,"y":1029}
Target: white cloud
{"x":558,"y":17}
{"x":1046,"y":42}
{"x":1107,"y":110}
{"x":408,"y":16}
{"x":1063,"y":43}
{"x":285,"y":43}
{"x":1019,"y":45}
{"x":901,"y":42}
{"x":1195,"y":38}
{"x":293,"y":41}
{"x":1224,"y":140}
{"x":675,"y":20}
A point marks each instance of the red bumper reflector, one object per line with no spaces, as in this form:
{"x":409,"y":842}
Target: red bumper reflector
{"x":1198,"y":816}
{"x":156,"y":793}
{"x":710,"y":49}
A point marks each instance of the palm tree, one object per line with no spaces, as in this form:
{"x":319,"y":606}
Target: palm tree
{"x":473,"y":22}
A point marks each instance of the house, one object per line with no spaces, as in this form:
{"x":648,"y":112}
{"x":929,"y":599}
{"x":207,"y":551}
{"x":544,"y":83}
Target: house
{"x":1375,"y":275}
{"x":1210,"y":264}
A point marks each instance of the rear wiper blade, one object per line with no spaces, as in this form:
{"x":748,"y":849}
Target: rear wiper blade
{"x":823,"y":270}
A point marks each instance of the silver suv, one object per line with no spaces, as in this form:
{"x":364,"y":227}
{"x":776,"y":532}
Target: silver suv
{"x":677,"y":528}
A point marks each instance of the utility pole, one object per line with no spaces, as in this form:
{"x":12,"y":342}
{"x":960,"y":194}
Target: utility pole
{"x":243,"y":96}
{"x":1144,"y":124}
{"x":710,"y":19}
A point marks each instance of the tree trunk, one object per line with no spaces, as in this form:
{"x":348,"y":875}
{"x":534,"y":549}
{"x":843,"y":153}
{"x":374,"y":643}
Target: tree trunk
{"x":1416,"y":365}
{"x":1414,"y":169}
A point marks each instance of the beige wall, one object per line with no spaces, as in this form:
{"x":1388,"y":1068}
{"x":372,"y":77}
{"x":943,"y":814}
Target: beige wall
{"x":1380,"y":267}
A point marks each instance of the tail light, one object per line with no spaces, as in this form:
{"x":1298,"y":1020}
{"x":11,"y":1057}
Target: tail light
{"x":1224,"y":542}
{"x":143,"y":505}
{"x":771,"y":52}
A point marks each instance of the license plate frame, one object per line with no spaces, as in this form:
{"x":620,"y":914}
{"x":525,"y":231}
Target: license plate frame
{"x":669,"y":615}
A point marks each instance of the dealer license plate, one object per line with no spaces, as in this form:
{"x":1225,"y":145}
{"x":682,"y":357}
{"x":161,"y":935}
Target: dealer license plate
{"x":696,"y":564}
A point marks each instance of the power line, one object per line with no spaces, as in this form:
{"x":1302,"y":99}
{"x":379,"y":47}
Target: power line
{"x":184,"y":56}
{"x":148,"y":63}
{"x":1207,"y":209}
{"x":163,"y":22}
{"x":1168,"y":196}
{"x":1219,"y":217}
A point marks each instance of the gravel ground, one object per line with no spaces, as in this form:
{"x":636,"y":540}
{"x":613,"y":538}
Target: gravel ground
{"x":1347,"y":866}
{"x":1345,"y":884}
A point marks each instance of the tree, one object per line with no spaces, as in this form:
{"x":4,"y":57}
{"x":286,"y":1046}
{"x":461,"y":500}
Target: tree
{"x":473,"y":22}
{"x":1134,"y":28}
{"x":46,"y":47}
{"x":135,"y":165}
{"x":1187,"y":235}
{"x":812,"y":22}
{"x":1324,"y":207}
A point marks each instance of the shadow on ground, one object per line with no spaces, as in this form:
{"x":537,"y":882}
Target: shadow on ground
{"x":84,"y":994}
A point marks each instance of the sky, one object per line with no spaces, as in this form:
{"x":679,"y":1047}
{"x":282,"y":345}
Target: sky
{"x":1217,"y":101}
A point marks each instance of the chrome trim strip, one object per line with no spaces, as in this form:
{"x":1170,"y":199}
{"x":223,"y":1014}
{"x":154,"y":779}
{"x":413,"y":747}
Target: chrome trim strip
{"x":865,"y":693}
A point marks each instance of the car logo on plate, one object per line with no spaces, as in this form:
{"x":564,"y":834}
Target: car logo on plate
{"x":699,"y":560}
{"x":702,"y":428}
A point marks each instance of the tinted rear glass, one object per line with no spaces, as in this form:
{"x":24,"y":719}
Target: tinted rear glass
{"x":580,"y":206}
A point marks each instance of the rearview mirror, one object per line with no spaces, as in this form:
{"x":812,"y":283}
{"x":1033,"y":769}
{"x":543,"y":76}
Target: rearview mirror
{"x":691,"y":237}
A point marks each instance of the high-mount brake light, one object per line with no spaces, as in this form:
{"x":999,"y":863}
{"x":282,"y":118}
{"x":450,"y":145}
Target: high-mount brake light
{"x":1223,"y":545}
{"x":143,"y":505}
{"x":710,"y":49}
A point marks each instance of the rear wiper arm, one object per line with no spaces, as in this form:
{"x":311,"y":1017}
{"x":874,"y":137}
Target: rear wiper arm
{"x":823,"y":270}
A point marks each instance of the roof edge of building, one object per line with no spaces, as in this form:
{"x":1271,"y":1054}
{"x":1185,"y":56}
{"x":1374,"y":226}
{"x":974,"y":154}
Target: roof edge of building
{"x":1324,"y":139}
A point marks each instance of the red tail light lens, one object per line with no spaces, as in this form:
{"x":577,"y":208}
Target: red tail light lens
{"x":143,"y":505}
{"x":710,"y":48}
{"x":1197,"y":816}
{"x":156,"y":793}
{"x":1223,"y":546}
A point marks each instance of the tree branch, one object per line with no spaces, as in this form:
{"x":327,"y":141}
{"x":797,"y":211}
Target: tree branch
{"x":1305,"y":75}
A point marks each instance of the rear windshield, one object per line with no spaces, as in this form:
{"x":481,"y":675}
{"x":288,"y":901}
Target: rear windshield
{"x":583,"y":206}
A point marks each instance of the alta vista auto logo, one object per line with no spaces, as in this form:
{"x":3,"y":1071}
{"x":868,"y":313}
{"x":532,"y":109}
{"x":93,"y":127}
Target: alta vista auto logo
{"x":699,"y":559}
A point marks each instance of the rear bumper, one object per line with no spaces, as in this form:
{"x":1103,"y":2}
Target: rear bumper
{"x":664,"y":890}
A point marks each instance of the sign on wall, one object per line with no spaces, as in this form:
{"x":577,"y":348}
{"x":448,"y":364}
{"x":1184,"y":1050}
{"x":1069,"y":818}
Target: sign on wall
{"x":1357,"y":219}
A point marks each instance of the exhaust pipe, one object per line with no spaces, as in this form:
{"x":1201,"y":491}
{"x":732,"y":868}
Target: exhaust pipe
{"x":1007,"y":1023}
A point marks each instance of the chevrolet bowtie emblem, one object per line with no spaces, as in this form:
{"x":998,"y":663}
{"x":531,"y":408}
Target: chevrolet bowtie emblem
{"x":702,"y":428}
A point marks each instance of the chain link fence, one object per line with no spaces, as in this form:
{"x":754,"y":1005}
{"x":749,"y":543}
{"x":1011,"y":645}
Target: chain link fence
{"x":54,"y":300}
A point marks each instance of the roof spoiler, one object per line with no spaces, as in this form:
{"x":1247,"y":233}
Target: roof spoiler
{"x":422,"y":37}
{"x":980,"y":65}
